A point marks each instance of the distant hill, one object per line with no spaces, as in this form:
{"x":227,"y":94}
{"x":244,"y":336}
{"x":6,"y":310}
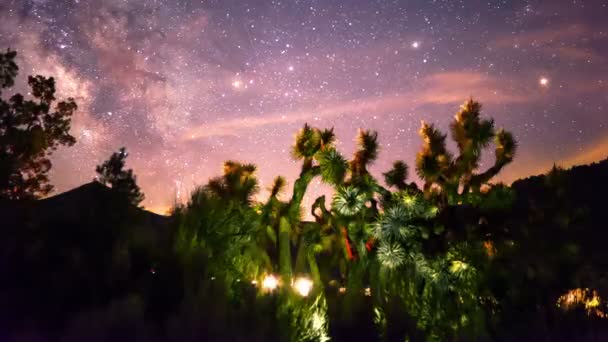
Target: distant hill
{"x":582,"y":180}
{"x":584,"y":187}
{"x":79,"y":203}
{"x":75,"y":251}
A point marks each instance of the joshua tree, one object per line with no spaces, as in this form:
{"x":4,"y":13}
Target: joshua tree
{"x":237,"y":183}
{"x":397,"y":175}
{"x":220,"y":222}
{"x":316,"y":150}
{"x":30,"y":130}
{"x":452,"y":178}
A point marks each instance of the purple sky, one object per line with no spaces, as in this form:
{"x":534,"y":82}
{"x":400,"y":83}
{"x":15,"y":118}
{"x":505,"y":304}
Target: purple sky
{"x":185,"y":85}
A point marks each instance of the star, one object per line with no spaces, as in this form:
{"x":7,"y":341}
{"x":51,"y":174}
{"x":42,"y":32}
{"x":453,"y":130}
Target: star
{"x":225,"y":76}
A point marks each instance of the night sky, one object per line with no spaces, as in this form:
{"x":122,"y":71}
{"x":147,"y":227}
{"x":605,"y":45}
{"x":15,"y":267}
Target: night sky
{"x":185,"y":85}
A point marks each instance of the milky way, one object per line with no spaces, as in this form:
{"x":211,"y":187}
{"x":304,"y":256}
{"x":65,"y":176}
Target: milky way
{"x":185,"y":85}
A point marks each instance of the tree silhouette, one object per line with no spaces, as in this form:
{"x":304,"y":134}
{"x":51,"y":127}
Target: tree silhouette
{"x":452,"y":178}
{"x":30,"y":130}
{"x":111,"y":173}
{"x":397,"y":175}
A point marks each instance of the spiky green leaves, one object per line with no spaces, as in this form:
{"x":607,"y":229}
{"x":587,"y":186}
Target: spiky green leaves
{"x":394,"y":224}
{"x":434,"y":159}
{"x":397,"y":175}
{"x":328,"y":137}
{"x":469,"y":131}
{"x":237,"y":183}
{"x":307,"y":142}
{"x":406,"y":220}
{"x":349,"y":201}
{"x":390,"y":254}
{"x":451,"y":179}
{"x":367,"y":152}
{"x":367,"y":141}
{"x":506,"y":146}
{"x":333,"y":166}
{"x":278,"y":186}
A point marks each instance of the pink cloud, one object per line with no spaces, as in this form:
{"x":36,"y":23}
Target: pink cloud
{"x":441,"y":88}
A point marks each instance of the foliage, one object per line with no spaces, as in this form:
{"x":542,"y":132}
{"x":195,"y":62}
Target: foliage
{"x":453,"y":177}
{"x":397,"y":175}
{"x":30,"y":130}
{"x":219,"y":224}
{"x":461,"y":259}
{"x":111,"y":173}
{"x":349,"y":201}
{"x":440,"y":291}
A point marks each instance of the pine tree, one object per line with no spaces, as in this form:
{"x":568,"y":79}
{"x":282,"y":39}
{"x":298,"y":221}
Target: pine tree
{"x":112,"y":173}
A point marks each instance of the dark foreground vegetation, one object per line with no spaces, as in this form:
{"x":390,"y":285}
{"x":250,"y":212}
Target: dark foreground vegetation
{"x":460,"y":258}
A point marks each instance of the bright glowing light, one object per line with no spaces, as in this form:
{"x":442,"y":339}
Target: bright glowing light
{"x":303,"y":286}
{"x":270,"y":282}
{"x":587,"y":298}
{"x":415,"y":44}
{"x":544,"y":81}
{"x":237,"y":84}
{"x":368,"y":292}
{"x":290,"y":68}
{"x":254,"y":282}
{"x":342,"y":289}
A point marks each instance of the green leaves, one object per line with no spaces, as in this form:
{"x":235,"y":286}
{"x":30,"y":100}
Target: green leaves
{"x":278,"y":186}
{"x":470,"y":132}
{"x":394,"y":224}
{"x":333,"y":166}
{"x":348,"y":201}
{"x":506,"y":146}
{"x":390,"y":254}
{"x":450,"y":179}
{"x":434,"y":158}
{"x":366,"y":154}
{"x":307,"y":143}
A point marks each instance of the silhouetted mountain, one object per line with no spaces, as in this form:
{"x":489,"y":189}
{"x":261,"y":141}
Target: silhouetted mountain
{"x":554,"y":241}
{"x":572,"y":203}
{"x":81,"y":203}
{"x":73,"y":252}
{"x":88,"y":249}
{"x":580,"y":184}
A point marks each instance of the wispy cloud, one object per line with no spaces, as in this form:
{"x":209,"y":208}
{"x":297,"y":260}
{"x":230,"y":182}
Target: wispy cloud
{"x":567,"y":42}
{"x":441,"y":88}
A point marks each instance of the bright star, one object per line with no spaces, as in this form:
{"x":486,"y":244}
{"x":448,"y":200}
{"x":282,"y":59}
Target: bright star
{"x":416,"y":44}
{"x":544,"y":81}
{"x":290,"y":68}
{"x":237,"y":84}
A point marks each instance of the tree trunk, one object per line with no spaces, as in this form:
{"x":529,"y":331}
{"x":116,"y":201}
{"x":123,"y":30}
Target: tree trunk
{"x":284,"y":250}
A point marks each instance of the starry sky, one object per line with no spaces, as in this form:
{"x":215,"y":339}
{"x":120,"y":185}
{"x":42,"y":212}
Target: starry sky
{"x":185,"y":85}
